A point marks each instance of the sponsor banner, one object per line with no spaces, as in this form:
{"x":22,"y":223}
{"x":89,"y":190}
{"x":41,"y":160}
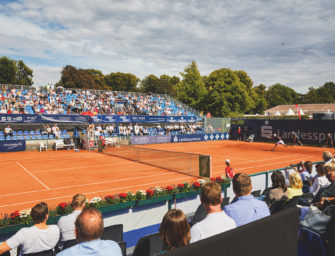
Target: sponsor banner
{"x":12,"y":145}
{"x":137,"y":140}
{"x":181,"y":119}
{"x":199,"y":137}
{"x":18,"y":118}
{"x":148,"y":119}
{"x":63,"y":118}
{"x":320,"y":132}
{"x":111,"y":119}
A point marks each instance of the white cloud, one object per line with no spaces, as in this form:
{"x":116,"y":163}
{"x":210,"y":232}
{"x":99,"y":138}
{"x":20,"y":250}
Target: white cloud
{"x":144,"y":37}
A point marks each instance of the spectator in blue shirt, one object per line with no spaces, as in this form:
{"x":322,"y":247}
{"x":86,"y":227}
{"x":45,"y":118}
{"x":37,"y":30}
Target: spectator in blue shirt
{"x":88,"y":228}
{"x":245,"y":207}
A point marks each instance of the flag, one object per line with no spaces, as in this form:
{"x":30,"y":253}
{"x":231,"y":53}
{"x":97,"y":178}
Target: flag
{"x":298,"y":110}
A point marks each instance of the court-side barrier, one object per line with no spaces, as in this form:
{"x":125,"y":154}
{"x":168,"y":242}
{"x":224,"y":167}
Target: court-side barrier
{"x":12,"y":145}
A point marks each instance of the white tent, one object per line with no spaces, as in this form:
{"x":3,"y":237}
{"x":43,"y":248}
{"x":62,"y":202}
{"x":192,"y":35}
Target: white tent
{"x":290,"y":112}
{"x":301,"y":112}
{"x":277,"y":113}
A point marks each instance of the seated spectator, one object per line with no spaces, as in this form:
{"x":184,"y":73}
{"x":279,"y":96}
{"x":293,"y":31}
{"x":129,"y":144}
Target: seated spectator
{"x":295,"y":188}
{"x":321,"y":180}
{"x":307,"y":176}
{"x":245,"y":207}
{"x":55,"y":131}
{"x":38,"y":238}
{"x":216,"y":220}
{"x":330,"y":174}
{"x":278,"y":190}
{"x":89,"y":227}
{"x":174,"y":230}
{"x":327,"y":156}
{"x":66,"y":223}
{"x":8,"y":131}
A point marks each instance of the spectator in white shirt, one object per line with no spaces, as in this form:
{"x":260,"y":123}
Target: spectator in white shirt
{"x":321,"y":180}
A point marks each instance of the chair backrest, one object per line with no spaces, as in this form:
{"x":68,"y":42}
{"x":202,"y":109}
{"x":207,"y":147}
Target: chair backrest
{"x":123,"y":246}
{"x":256,"y":193}
{"x":148,"y":245}
{"x":69,"y":243}
{"x":306,"y":199}
{"x":114,"y":232}
{"x":310,"y":243}
{"x":225,"y":201}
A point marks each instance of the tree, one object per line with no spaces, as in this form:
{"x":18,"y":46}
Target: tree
{"x":227,"y":95}
{"x":122,"y":82}
{"x":162,"y":85}
{"x":279,"y":94}
{"x":191,"y":90}
{"x":99,"y":78}
{"x":7,"y":71}
{"x":24,"y":75}
{"x":323,"y":94}
{"x":259,"y":97}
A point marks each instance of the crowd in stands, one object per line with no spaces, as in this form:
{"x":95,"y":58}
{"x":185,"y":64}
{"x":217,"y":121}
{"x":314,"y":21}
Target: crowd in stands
{"x":75,"y":101}
{"x":79,"y":233}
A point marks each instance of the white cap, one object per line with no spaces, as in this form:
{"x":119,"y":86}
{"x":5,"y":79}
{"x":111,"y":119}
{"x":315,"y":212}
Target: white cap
{"x":227,"y":161}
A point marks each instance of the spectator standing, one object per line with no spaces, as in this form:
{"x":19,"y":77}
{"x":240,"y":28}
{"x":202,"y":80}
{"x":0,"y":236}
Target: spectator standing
{"x":239,"y":133}
{"x":216,"y":220}
{"x":175,"y":230}
{"x":245,"y":208}
{"x":66,"y":223}
{"x":229,"y":170}
{"x":89,"y":227}
{"x":38,"y":238}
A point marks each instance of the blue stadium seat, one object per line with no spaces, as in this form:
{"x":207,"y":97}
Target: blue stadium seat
{"x":310,"y":243}
{"x":51,"y":136}
{"x":21,"y":137}
{"x":64,"y":131}
{"x":26,"y":133}
{"x":28,"y":137}
{"x":32,"y":133}
{"x":2,"y":137}
{"x":38,"y":132}
{"x":67,"y":136}
{"x":14,"y":137}
{"x":20,"y":133}
{"x":84,"y":131}
{"x":33,"y":137}
{"x":14,"y":133}
{"x":39,"y":137}
{"x":45,"y":136}
{"x":8,"y":137}
{"x":62,"y":136}
{"x":2,"y":133}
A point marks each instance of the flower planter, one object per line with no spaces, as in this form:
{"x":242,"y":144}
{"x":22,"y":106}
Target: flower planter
{"x":186,"y":194}
{"x":117,"y":207}
{"x":13,"y":228}
{"x":226,"y":185}
{"x":53,"y":219}
{"x":153,"y":200}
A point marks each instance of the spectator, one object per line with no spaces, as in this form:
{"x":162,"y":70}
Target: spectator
{"x":321,"y":180}
{"x":66,"y":223}
{"x":307,"y":176}
{"x":295,"y":188}
{"x":245,"y":208}
{"x":229,"y":170}
{"x":216,"y":220}
{"x":327,"y":156}
{"x":38,"y":238}
{"x":88,"y":228}
{"x":330,"y":174}
{"x":55,"y":131}
{"x":8,"y":131}
{"x":278,"y":190}
{"x":175,"y":230}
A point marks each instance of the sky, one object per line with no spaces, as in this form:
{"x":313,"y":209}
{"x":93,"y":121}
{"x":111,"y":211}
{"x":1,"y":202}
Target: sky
{"x":291,"y":42}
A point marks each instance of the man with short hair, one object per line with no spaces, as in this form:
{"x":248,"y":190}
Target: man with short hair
{"x":89,"y":227}
{"x":245,"y":207}
{"x":66,"y":223}
{"x":38,"y":238}
{"x":327,"y":156}
{"x":8,"y":131}
{"x":216,"y":220}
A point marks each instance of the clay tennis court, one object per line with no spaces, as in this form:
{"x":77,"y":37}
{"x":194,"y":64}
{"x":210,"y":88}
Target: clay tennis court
{"x":55,"y":176}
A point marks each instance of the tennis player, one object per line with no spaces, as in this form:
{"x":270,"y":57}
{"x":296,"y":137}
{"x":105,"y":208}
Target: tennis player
{"x":278,"y":141}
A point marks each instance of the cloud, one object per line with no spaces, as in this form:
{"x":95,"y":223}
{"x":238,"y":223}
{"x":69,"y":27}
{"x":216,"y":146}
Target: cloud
{"x":288,"y":42}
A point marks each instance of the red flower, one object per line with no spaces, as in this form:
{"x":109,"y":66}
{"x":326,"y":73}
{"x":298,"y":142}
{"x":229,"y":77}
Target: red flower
{"x":219,"y":179}
{"x":196,"y":184}
{"x":62,"y":205}
{"x":169,"y":188}
{"x":149,"y":192}
{"x":181,"y":185}
{"x":109,"y":197}
{"x":123,"y":195}
{"x":212,"y":179}
{"x":15,"y":214}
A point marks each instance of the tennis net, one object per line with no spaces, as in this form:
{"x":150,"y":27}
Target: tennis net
{"x":186,"y":163}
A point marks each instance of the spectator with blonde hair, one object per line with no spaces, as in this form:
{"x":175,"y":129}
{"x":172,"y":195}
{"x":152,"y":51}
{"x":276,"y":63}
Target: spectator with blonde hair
{"x":66,"y":223}
{"x":175,"y":230}
{"x":295,"y":188}
{"x":216,"y":220}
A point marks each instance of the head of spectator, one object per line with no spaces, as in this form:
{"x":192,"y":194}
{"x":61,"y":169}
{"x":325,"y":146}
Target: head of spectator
{"x":308,"y":166}
{"x":242,"y":184}
{"x":327,"y":156}
{"x":175,"y":229}
{"x":211,"y":197}
{"x":278,"y":180}
{"x":295,"y":180}
{"x":330,"y":170}
{"x":39,"y":213}
{"x":78,"y":202}
{"x":320,"y":169}
{"x":89,"y":225}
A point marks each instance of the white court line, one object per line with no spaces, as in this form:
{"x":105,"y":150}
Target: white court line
{"x":100,"y":191}
{"x":33,"y":176}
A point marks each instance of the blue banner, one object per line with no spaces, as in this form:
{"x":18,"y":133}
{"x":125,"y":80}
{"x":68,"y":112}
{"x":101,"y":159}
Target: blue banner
{"x":199,"y":137}
{"x":12,"y":145}
{"x":150,"y":139}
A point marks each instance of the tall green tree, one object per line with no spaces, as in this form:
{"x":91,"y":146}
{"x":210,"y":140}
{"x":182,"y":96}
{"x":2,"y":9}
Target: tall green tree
{"x":323,"y":94}
{"x":7,"y":70}
{"x":122,"y":82}
{"x":162,"y":85}
{"x":24,"y":75}
{"x":191,"y":90}
{"x":259,"y":97}
{"x":227,"y":94}
{"x":99,"y":78}
{"x":279,"y":94}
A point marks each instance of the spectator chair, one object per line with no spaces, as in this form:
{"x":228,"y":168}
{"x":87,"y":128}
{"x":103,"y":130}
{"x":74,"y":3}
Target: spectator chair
{"x":43,"y":146}
{"x":283,"y":204}
{"x":306,"y":199}
{"x":114,"y":232}
{"x":310,"y":243}
{"x":148,"y":245}
{"x":256,"y":193}
{"x":42,"y":253}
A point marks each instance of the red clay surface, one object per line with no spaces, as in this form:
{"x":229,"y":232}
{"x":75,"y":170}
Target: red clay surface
{"x":55,"y":176}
